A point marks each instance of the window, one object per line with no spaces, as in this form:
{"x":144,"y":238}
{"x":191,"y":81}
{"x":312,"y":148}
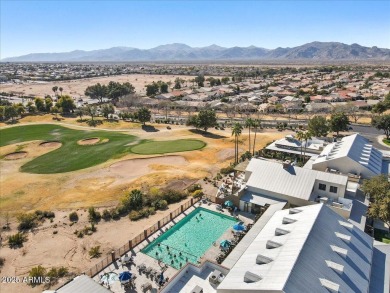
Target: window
{"x":333,"y":189}
{"x":322,"y":187}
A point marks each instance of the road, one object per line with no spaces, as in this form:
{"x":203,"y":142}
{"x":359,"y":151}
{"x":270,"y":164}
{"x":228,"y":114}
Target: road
{"x":369,"y":132}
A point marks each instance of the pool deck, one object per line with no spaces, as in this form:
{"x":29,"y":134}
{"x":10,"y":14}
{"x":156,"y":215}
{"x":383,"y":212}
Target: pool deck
{"x":141,"y":258}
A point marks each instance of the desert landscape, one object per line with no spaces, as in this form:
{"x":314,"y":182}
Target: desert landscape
{"x":101,"y":186}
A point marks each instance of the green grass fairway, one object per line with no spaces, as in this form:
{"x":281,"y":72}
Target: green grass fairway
{"x":70,"y":156}
{"x":170,"y":146}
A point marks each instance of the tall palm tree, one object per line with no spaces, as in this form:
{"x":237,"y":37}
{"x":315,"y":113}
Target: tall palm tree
{"x":249,"y":124}
{"x":60,"y":89}
{"x":300,"y":137}
{"x":236,"y":131}
{"x":256,"y":125}
{"x":306,"y":137}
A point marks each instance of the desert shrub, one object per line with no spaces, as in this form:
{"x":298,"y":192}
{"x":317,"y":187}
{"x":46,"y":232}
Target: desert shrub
{"x":55,"y":232}
{"x":93,"y":215}
{"x":38,"y":273}
{"x":106,"y":215}
{"x":40,"y":215}
{"x":194,"y":187}
{"x":135,"y":216}
{"x":2,"y":261}
{"x":95,"y":252}
{"x":133,"y":200}
{"x":172,"y":196}
{"x":227,"y":170}
{"x":79,"y":234}
{"x":73,"y":217}
{"x":152,"y":211}
{"x":17,"y":239}
{"x":115,"y":214}
{"x":161,"y":204}
{"x":27,"y":221}
{"x":197,"y":193}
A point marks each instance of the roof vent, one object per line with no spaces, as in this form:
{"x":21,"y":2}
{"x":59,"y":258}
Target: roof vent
{"x":280,"y":232}
{"x":341,"y":251}
{"x":331,"y":286}
{"x":286,"y":164}
{"x":251,"y":277}
{"x":343,"y":236}
{"x":346,"y":224}
{"x":294,"y":211}
{"x":262,"y":260}
{"x":288,"y":220}
{"x":335,"y":266}
{"x":272,"y":244}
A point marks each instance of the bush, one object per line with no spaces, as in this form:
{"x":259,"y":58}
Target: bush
{"x":95,"y":252}
{"x":194,"y":187}
{"x":27,"y":221}
{"x":152,"y":211}
{"x":135,"y":216}
{"x":106,"y":215}
{"x":17,"y":239}
{"x":2,"y":261}
{"x":44,"y":214}
{"x":172,"y":196}
{"x":73,"y":217}
{"x":115,"y":214}
{"x":161,"y":204}
{"x":227,"y":170}
{"x":93,"y":215}
{"x":38,"y":273}
{"x":197,"y":193}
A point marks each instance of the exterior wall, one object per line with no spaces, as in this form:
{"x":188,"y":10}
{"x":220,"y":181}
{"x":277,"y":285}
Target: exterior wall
{"x":344,"y":165}
{"x":342,"y":212}
{"x":291,"y":200}
{"x":327,"y":193}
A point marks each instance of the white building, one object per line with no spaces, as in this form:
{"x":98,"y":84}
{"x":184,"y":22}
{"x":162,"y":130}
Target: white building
{"x":308,"y":249}
{"x":268,"y":182}
{"x":353,"y":154}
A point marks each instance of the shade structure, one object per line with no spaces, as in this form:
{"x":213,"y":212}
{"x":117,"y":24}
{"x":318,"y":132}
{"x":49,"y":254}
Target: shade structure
{"x":225,"y":243}
{"x":239,"y":227}
{"x":125,"y":277}
{"x":228,"y":203}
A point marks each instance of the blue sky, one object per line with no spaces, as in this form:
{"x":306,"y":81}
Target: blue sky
{"x":60,"y":26}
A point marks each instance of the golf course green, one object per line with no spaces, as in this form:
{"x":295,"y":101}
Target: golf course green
{"x":169,"y":146}
{"x":72,"y":156}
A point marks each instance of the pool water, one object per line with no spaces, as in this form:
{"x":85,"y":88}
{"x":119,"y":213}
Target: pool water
{"x":190,"y":238}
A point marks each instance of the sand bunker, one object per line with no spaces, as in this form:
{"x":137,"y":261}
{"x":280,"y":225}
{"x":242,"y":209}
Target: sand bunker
{"x":88,"y":141}
{"x":15,"y":156}
{"x":128,"y":170}
{"x":50,"y":144}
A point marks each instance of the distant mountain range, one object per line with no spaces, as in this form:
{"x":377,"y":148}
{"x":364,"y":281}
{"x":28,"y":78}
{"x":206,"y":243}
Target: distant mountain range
{"x":321,"y":51}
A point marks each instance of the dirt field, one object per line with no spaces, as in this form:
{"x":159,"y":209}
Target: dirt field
{"x":76,"y":88}
{"x":101,"y":186}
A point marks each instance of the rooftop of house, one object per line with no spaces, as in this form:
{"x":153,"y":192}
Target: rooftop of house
{"x":289,"y":180}
{"x":305,"y":249}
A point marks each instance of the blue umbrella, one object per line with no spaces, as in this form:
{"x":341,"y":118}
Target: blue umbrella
{"x":239,"y":227}
{"x":225,"y":243}
{"x":228,"y":203}
{"x":125,"y":276}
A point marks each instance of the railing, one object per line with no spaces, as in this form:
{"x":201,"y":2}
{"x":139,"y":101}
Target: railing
{"x":105,"y":262}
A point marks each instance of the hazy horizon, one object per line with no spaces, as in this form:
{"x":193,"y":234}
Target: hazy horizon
{"x":64,"y":26}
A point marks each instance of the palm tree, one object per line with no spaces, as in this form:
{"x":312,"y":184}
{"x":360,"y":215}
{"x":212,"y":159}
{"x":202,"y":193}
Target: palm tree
{"x":60,"y":89}
{"x":249,"y":124}
{"x":236,"y":131}
{"x":256,"y":124}
{"x":300,"y":137}
{"x":54,"y":89}
{"x":306,"y":137}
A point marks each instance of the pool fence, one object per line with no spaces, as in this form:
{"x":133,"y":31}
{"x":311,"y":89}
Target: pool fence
{"x":117,"y":253}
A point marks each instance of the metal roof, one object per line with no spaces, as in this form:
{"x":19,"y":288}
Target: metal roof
{"x":293,"y":181}
{"x":303,"y":259}
{"x":82,"y":284}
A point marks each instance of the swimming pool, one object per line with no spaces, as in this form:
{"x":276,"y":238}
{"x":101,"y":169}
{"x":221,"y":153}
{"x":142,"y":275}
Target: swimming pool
{"x":190,"y":238}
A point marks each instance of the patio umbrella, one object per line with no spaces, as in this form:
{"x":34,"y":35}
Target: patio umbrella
{"x":239,"y":227}
{"x":225,"y":243}
{"x":228,"y":203}
{"x":125,"y":277}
